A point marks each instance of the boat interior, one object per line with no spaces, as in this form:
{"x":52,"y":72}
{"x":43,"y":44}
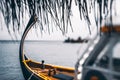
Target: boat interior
{"x":50,"y":72}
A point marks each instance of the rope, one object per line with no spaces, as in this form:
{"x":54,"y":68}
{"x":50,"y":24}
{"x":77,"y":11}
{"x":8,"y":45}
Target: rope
{"x":30,"y":76}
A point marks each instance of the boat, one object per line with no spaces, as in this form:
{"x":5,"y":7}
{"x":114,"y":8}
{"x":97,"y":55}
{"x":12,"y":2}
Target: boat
{"x":79,"y":40}
{"x":33,"y":70}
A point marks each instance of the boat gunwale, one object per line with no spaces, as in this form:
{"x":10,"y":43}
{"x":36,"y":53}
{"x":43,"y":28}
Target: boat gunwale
{"x":55,"y":66}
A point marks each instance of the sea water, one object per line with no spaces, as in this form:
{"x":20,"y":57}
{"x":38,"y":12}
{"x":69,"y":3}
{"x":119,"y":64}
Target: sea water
{"x":9,"y":61}
{"x":52,"y":52}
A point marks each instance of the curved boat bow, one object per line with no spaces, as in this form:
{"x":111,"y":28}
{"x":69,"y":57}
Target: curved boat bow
{"x":22,"y":57}
{"x":35,"y":71}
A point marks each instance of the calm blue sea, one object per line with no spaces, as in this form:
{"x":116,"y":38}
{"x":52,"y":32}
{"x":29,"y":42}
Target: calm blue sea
{"x":53,"y":52}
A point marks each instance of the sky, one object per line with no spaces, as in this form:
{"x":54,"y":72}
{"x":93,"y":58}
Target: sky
{"x":80,"y":28}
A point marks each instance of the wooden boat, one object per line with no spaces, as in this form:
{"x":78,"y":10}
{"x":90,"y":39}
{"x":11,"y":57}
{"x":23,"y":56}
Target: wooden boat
{"x":38,"y":71}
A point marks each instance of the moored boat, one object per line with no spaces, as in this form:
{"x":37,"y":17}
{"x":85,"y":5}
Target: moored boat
{"x":38,"y":70}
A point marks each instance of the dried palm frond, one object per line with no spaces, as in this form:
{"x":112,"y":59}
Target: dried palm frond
{"x":59,"y":11}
